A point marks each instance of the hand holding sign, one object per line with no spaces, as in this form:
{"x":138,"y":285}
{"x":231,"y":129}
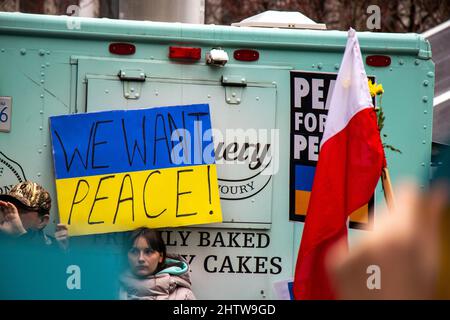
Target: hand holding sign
{"x":62,"y":235}
{"x":119,"y":170}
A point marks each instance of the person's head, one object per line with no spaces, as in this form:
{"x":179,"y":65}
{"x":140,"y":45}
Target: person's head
{"x":33,"y":203}
{"x":146,"y":252}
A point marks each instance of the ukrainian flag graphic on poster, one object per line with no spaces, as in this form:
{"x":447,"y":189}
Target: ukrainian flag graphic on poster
{"x":120,"y":170}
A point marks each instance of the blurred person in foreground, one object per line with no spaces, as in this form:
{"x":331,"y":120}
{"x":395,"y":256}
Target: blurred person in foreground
{"x":409,"y":249}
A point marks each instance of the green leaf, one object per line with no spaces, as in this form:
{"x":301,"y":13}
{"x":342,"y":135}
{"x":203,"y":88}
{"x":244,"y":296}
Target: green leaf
{"x":380,"y":120}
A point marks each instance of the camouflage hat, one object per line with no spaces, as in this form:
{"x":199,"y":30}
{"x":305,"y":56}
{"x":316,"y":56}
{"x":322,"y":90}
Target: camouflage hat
{"x":30,"y":195}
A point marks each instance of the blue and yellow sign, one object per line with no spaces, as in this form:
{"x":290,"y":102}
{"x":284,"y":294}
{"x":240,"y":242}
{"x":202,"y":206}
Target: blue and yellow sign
{"x":120,"y":170}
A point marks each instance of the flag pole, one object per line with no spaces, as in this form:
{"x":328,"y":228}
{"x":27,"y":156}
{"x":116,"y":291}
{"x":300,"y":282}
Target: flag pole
{"x":387,"y":189}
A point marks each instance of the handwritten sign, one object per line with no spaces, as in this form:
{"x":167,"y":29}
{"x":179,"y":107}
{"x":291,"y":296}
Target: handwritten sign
{"x":120,"y":170}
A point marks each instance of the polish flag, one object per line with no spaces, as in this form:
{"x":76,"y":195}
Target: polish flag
{"x":351,"y":159}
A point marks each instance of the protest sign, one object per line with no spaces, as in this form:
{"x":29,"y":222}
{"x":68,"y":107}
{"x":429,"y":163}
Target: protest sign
{"x":119,"y":170}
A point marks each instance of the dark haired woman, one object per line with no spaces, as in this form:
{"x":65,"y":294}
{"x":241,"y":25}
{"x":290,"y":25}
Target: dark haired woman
{"x":151,"y":273}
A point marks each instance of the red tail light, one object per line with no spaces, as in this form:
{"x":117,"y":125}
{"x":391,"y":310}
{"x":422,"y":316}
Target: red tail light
{"x":122,"y":48}
{"x":246,"y":55}
{"x":378,"y":61}
{"x":186,"y":53}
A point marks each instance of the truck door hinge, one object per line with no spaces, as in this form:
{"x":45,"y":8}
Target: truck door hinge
{"x":234,"y":86}
{"x":132,"y":82}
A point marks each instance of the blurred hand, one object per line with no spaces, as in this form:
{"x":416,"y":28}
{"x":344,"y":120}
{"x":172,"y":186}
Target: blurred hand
{"x":10,"y":222}
{"x":405,"y":247}
{"x":62,"y":235}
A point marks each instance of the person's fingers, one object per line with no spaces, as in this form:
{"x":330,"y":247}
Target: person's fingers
{"x":335,"y":260}
{"x":61,"y":226}
{"x":61,"y":233}
{"x":431,"y":210}
{"x":3,"y":203}
{"x":408,"y":198}
{"x":9,"y":211}
{"x":2,"y":211}
{"x":437,"y":200}
{"x":4,"y":206}
{"x":337,"y":255}
{"x":11,"y":208}
{"x":403,"y":246}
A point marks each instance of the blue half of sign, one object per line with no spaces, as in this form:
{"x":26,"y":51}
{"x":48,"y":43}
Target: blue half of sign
{"x":131,"y":140}
{"x":304,"y":177}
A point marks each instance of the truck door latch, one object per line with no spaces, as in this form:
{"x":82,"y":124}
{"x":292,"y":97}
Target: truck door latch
{"x":132,"y":82}
{"x":234,"y":86}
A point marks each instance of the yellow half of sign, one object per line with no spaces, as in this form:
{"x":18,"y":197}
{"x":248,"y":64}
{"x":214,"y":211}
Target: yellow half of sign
{"x":159,"y":198}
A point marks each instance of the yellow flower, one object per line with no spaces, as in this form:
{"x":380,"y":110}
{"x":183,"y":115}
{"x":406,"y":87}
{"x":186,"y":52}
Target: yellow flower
{"x":375,"y":89}
{"x":379,"y":89}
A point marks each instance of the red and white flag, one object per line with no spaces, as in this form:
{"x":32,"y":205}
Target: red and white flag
{"x":350,"y":162}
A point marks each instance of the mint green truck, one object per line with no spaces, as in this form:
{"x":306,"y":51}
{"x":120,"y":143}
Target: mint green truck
{"x":60,"y":65}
